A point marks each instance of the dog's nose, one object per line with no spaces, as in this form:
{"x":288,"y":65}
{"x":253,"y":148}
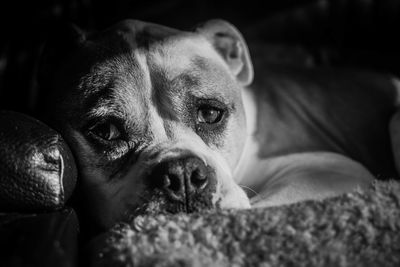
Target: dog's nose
{"x":180,"y":178}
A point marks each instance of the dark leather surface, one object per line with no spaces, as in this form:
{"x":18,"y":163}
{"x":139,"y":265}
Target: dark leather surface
{"x":39,"y":239}
{"x":37,"y":170}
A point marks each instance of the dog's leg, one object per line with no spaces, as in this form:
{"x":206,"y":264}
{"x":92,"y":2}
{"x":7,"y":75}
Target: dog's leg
{"x":313,"y":175}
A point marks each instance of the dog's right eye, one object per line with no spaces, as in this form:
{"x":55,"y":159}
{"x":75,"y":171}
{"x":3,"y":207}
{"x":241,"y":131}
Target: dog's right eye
{"x":109,"y":137}
{"x":106,"y":131}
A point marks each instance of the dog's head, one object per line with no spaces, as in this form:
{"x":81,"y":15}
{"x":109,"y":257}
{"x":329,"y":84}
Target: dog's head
{"x":153,"y":115}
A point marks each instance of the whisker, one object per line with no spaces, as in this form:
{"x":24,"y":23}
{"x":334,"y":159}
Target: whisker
{"x":248,"y":188}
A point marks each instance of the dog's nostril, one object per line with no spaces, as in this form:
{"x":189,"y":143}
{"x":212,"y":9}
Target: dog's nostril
{"x":182,"y":178}
{"x":172,"y":182}
{"x":166,"y":181}
{"x":199,"y":179}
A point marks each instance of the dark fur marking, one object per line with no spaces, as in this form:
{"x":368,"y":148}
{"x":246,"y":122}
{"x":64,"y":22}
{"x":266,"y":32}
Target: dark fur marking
{"x":200,"y":63}
{"x":162,"y":96}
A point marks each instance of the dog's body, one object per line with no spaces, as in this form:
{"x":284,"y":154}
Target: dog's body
{"x":315,"y":133}
{"x":164,"y":120}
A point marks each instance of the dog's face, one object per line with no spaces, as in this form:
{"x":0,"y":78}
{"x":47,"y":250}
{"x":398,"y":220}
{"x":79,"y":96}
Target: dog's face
{"x":153,"y":115}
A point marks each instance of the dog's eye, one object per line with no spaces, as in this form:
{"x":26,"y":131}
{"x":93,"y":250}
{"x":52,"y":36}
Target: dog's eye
{"x":106,"y":131}
{"x":209,"y":115}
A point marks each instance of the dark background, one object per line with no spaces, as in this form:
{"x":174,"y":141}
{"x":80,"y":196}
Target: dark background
{"x":341,"y":32}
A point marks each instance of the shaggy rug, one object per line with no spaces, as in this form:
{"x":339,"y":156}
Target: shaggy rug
{"x":356,"y":229}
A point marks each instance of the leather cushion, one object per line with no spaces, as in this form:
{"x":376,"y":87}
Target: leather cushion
{"x":37,"y":170}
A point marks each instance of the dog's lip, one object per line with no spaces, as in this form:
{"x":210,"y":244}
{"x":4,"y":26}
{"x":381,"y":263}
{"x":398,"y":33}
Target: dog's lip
{"x":162,"y":204}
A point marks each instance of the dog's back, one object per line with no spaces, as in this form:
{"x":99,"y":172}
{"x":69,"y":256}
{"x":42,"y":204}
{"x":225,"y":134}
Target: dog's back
{"x":306,"y":109}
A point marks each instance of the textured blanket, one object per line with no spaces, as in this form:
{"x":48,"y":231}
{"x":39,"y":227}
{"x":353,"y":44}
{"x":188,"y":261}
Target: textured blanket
{"x":357,"y":229}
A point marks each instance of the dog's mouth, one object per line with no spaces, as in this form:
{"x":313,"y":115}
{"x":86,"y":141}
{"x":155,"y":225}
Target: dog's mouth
{"x":155,"y":202}
{"x":183,"y":185}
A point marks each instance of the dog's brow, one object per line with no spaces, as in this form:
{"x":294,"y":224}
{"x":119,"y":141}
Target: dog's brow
{"x":205,"y":94}
{"x":188,"y":80}
{"x":97,"y":96}
{"x":103,"y":111}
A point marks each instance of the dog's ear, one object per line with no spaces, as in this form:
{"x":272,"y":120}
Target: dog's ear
{"x":230,"y":44}
{"x":59,"y":46}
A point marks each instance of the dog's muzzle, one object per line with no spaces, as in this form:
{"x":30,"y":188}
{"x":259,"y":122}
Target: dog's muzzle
{"x":185,"y":181}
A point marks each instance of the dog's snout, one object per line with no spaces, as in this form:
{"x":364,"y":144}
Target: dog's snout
{"x":180,"y":178}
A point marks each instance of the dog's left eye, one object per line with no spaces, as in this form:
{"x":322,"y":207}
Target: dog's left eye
{"x":106,"y":131}
{"x":209,"y":115}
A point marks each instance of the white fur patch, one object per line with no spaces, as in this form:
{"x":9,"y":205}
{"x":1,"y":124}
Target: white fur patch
{"x":175,"y":57}
{"x":231,"y":195}
{"x":249,"y":158}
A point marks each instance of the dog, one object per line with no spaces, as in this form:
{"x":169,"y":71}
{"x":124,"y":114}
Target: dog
{"x":163,"y":120}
